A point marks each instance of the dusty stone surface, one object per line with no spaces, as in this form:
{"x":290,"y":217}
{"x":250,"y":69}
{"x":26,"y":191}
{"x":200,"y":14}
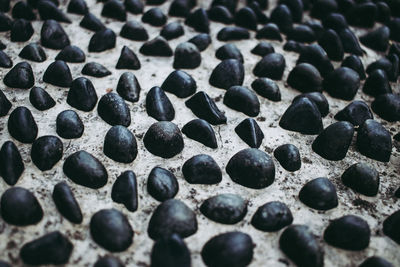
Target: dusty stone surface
{"x":153,"y":72}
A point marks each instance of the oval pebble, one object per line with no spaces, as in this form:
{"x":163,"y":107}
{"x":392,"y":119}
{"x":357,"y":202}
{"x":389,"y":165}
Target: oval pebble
{"x":362,"y":178}
{"x":200,"y":131}
{"x":102,"y":40}
{"x":124,"y":190}
{"x":319,"y":99}
{"x":66,"y":203}
{"x":170,"y":251}
{"x":82,"y":94}
{"x":162,"y":184}
{"x":71,"y":53}
{"x":22,"y":125}
{"x":319,"y":194}
{"x":69,"y":125}
{"x":391,"y":226}
{"x":20,"y":76}
{"x":5,"y":104}
{"x":154,"y":17}
{"x":232,"y":33}
{"x":241,"y":99}
{"x":113,"y":110}
{"x":356,"y":113}
{"x":387,"y":106}
{"x":288,"y":156}
{"x":157,"y":47}
{"x":52,"y":35}
{"x":342,"y":83}
{"x":133,"y":30}
{"x":267,"y":88}
{"x":120,"y":144}
{"x":205,"y":108}
{"x":377,"y":83}
{"x":202,"y":41}
{"x":33,"y":52}
{"x":46,"y":152}
{"x":226,"y":74}
{"x":41,"y":99}
{"x":11,"y":164}
{"x":305,"y":78}
{"x":272,"y":216}
{"x":224,"y":208}
{"x":128,"y":87}
{"x":186,"y":56}
{"x":95,"y":70}
{"x":201,"y":169}
{"x":58,"y":74}
{"x":250,"y":132}
{"x":128,"y":59}
{"x":172,"y":30}
{"x":270,"y":66}
{"x":179,"y":83}
{"x":91,"y":22}
{"x":198,"y":20}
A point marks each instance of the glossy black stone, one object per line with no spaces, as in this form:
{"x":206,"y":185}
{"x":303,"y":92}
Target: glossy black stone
{"x":77,"y":7}
{"x":374,"y":141}
{"x":249,"y":131}
{"x":180,"y":8}
{"x":375,"y":261}
{"x":288,"y":156}
{"x":269,"y":31}
{"x":251,"y":168}
{"x":354,"y":62}
{"x":229,"y":4}
{"x":20,"y":207}
{"x":134,"y":6}
{"x":272,"y":216}
{"x":377,"y":83}
{"x":187,"y":56}
{"x":158,"y":105}
{"x":108,"y":261}
{"x":21,"y":10}
{"x":321,"y":8}
{"x":172,"y":216}
{"x":228,"y":73}
{"x":179,"y":83}
{"x":120,"y":144}
{"x":362,"y":178}
{"x":128,"y":60}
{"x":383,"y":12}
{"x":246,"y":18}
{"x":305,"y":78}
{"x":66,"y":203}
{"x":362,"y":14}
{"x":58,"y":74}
{"x":71,"y":54}
{"x":86,"y":170}
{"x":390,"y":64}
{"x":11,"y":164}
{"x":82,"y":94}
{"x":302,"y":116}
{"x":335,"y":21}
{"x":128,"y":87}
{"x":356,"y":113}
{"x":46,"y":152}
{"x":220,"y":14}
{"x":2,"y":46}
{"x":5,"y":104}
{"x":377,"y":40}
{"x":22,"y":125}
{"x":282,"y":17}
{"x":124,"y":190}
{"x":102,"y":40}
{"x":48,"y":10}
{"x":228,"y":249}
{"x":33,"y":52}
{"x":52,"y":248}
{"x":229,"y":51}
{"x":20,"y":76}
{"x":205,"y":108}
{"x":154,"y":17}
{"x":95,"y":70}
{"x":170,"y":251}
{"x":202,"y":169}
{"x":319,"y":194}
{"x":350,"y":42}
{"x":69,"y":125}
{"x":302,"y":34}
{"x":5,"y":22}
{"x":267,"y":88}
{"x":201,"y":40}
{"x":21,"y":30}
{"x":224,"y":208}
{"x":172,"y":30}
{"x":232,"y":33}
{"x":332,"y":44}
{"x":111,"y":230}
{"x":342,"y":83}
{"x":162,"y":184}
{"x":5,"y":60}
{"x":348,"y":232}
{"x":316,"y":56}
{"x":198,"y":20}
{"x":391,"y":226}
{"x":157,"y":47}
{"x":53,"y":36}
{"x":301,"y":246}
{"x":200,"y":131}
{"x":387,"y":106}
{"x":135,"y":31}
{"x":91,"y":22}
{"x":113,"y":110}
{"x":263,"y":49}
{"x":114,"y":9}
{"x":242,"y":99}
{"x":270,"y":66}
{"x":319,"y":100}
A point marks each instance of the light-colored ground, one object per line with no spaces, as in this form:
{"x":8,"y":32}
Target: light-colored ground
{"x":153,"y":72}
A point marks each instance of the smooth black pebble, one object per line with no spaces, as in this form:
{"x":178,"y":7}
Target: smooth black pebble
{"x":200,"y":131}
{"x":288,"y":156}
{"x":5,"y":104}
{"x":135,"y":31}
{"x":224,"y":208}
{"x":69,"y":125}
{"x":11,"y":164}
{"x":20,"y":76}
{"x":71,"y":53}
{"x":124,"y":190}
{"x":201,"y":169}
{"x":179,"y":83}
{"x":21,"y":30}
{"x":58,"y":74}
{"x":362,"y":178}
{"x":120,"y":144}
{"x":354,"y":62}
{"x":22,"y":125}
{"x":52,"y":35}
{"x":228,"y":73}
{"x":91,"y":22}
{"x":198,"y":20}
{"x":95,"y":70}
{"x":387,"y":106}
{"x":391,"y":226}
{"x":113,"y":110}
{"x":46,"y":152}
{"x":102,"y":40}
{"x":305,"y":78}
{"x":272,"y":216}
{"x":33,"y":52}
{"x":270,"y":66}
{"x":158,"y":105}
{"x":232,"y":33}
{"x":250,"y":132}
{"x":128,"y":59}
{"x":114,"y":9}
{"x":356,"y":113}
{"x":186,"y":56}
{"x":375,"y":261}
{"x":157,"y":47}
{"x":319,"y":194}
{"x":66,"y":203}
{"x":202,"y":41}
{"x":162,"y":184}
{"x":377,"y":40}
{"x":170,"y":251}
{"x":128,"y":87}
{"x":377,"y":83}
{"x":154,"y":17}
{"x":242,"y":99}
{"x":267,"y":88}
{"x":342,"y":83}
{"x":172,"y":30}
{"x":229,"y":51}
{"x":269,"y":31}
{"x":82,"y":94}
{"x":205,"y":108}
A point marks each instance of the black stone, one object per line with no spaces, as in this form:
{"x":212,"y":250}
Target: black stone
{"x":5,"y":104}
{"x":391,"y":226}
{"x":267,"y":88}
{"x":270,"y":66}
{"x":198,"y":20}
{"x":229,"y":4}
{"x":48,"y":10}
{"x":302,"y":116}
{"x":387,"y":106}
{"x":5,"y":22}
{"x":350,"y":42}
{"x":301,"y":246}
{"x":77,"y":7}
{"x":69,"y":125}
{"x":201,"y":169}
{"x":377,"y":40}
{"x":5,"y":60}
{"x":120,"y":144}
{"x":348,"y":232}
{"x":158,"y":105}
{"x":95,"y":70}
{"x":22,"y":10}
{"x":374,"y":141}
{"x":232,"y":33}
{"x":92,"y":23}
{"x":332,"y":44}
{"x":262,"y":18}
{"x":21,"y":30}
{"x":394,"y":26}
{"x":172,"y":30}
{"x":272,"y":216}
{"x":33,"y":52}
{"x":335,"y":21}
{"x":375,"y":261}
{"x":46,"y":152}
{"x":134,"y":6}
{"x":20,"y":76}
{"x":108,"y":261}
{"x":319,"y":194}
{"x":125,"y":189}
{"x":66,"y":203}
{"x":316,"y":56}
{"x":11,"y":164}
{"x":224,"y":208}
{"x":170,"y":251}
{"x":383,"y":13}
{"x":246,"y":18}
{"x":302,"y":34}
{"x":201,"y":40}
{"x":162,"y":184}
{"x":354,"y":62}
{"x":53,"y":35}
{"x":86,"y":170}
{"x":262,"y":49}
{"x":220,"y":14}
{"x":20,"y":207}
{"x":114,"y":9}
{"x":128,"y":87}
{"x":305,"y":78}
{"x":135,"y":31}
{"x":154,"y":17}
{"x":52,"y":248}
{"x":226,"y":74}
{"x":270,"y":31}
{"x":296,"y":8}
{"x":82,"y":94}
{"x":111,"y":230}
{"x":362,"y":178}
{"x":322,"y":8}
{"x":389,"y":64}
{"x":172,"y":216}
{"x":282,"y":17}
{"x":179,"y":83}
{"x":319,"y":99}
{"x":228,"y":249}
{"x":128,"y":59}
{"x":157,"y":47}
{"x":342,"y":83}
{"x":288,"y":156}
{"x":205,"y":108}
{"x":362,"y":14}
{"x":187,"y":56}
{"x":180,"y":8}
{"x":113,"y":110}
{"x":71,"y":53}
{"x":249,"y":131}
{"x":356,"y":113}
{"x":58,"y":74}
{"x":229,"y":51}
{"x":242,"y":99}
{"x":102,"y":40}
{"x":377,"y":83}
{"x":22,"y":125}
{"x":251,"y":168}
{"x":163,"y":139}
{"x":200,"y":131}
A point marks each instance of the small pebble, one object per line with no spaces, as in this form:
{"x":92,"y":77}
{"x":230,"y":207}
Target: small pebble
{"x":202,"y":41}
{"x":316,"y":56}
{"x":48,"y":10}
{"x":375,"y":261}
{"x":272,"y":216}
{"x":229,"y":51}
{"x":179,"y":83}
{"x":262,"y":49}
{"x":46,"y":152}
{"x":249,"y":131}
{"x":362,"y":178}
{"x":377,"y":40}
{"x":350,"y":42}
{"x":319,"y":194}
{"x":58,"y":74}
{"x":163,"y":139}
{"x":21,"y":10}
{"x":356,"y":113}
{"x":232,"y":33}
{"x":205,"y":108}
{"x":114,"y":9}
{"x":21,"y":30}
{"x":319,"y":99}
{"x":342,"y":83}
{"x":71,"y":53}
{"x":220,"y":14}
{"x":5,"y":60}
{"x":354,"y":62}
{"x":262,"y":18}
{"x":170,"y":251}
{"x":128,"y":60}
{"x":134,"y":6}
{"x":66,"y":203}
{"x":387,"y":106}
{"x":86,"y":170}
{"x":69,"y":125}
{"x":172,"y":216}
{"x":224,"y":208}
{"x":282,"y":16}
{"x":270,"y":66}
{"x":120,"y":144}
{"x":389,"y":64}
{"x":108,"y":261}
{"x":296,"y":9}
{"x":5,"y":104}
{"x":377,"y":83}
{"x":158,"y":105}
{"x":269,"y":31}
{"x":154,"y":17}
{"x":124,"y":190}
{"x":302,"y":34}
{"x":111,"y":230}
{"x":391,"y":226}
{"x":172,"y":30}
{"x":102,"y":40}
{"x":135,"y":31}
{"x":128,"y":87}
{"x":348,"y":232}
{"x":11,"y":164}
{"x":187,"y":56}
{"x":242,"y":99}
{"x":332,"y":44}
{"x":77,"y":7}
{"x":180,"y":8}
{"x":202,"y":169}
{"x":362,"y":15}
{"x":305,"y":78}
{"x":95,"y":70}
{"x":246,"y":18}
{"x":22,"y":125}
{"x":198,"y":20}
{"x":20,"y":76}
{"x":288,"y":156}
{"x":200,"y":131}
{"x":335,"y":21}
{"x":33,"y":52}
{"x":226,"y":74}
{"x":162,"y":184}
{"x":20,"y":207}
{"x":92,"y":23}
{"x":157,"y":47}
{"x":267,"y":88}
{"x":5,"y":22}
{"x":113,"y":110}
{"x":82,"y":94}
